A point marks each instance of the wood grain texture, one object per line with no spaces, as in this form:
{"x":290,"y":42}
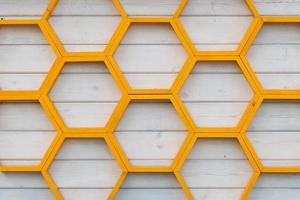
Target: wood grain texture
{"x":221,"y":174}
{"x":275,"y":128}
{"x":92,"y":175}
{"x":150,"y":186}
{"x":216,"y":94}
{"x":273,"y":56}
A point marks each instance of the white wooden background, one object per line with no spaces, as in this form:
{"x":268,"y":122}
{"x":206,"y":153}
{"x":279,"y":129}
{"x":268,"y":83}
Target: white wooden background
{"x":216,"y":94}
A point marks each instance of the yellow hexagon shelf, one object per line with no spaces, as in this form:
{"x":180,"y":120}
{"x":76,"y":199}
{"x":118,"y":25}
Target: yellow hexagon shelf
{"x":130,"y":94}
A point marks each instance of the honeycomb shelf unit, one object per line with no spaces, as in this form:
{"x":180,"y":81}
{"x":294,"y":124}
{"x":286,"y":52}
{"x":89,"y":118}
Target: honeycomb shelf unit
{"x":130,"y":94}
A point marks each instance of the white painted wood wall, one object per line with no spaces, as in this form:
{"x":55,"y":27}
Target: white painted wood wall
{"x":216,"y":94}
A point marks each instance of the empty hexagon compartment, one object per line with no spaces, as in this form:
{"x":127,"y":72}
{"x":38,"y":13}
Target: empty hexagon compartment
{"x":217,"y":169}
{"x":273,"y":55}
{"x":24,"y":185}
{"x":274,"y":187}
{"x":149,"y":186}
{"x":216,"y":94}
{"x":25,"y":57}
{"x":154,"y":8}
{"x":150,"y":55}
{"x":85,"y":169}
{"x":85,"y":26}
{"x":205,"y":22}
{"x":25,"y":134}
{"x":275,"y":133}
{"x":85,"y":94}
{"x":157,"y":131}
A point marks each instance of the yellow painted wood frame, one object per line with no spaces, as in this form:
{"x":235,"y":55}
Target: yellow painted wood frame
{"x":128,"y":94}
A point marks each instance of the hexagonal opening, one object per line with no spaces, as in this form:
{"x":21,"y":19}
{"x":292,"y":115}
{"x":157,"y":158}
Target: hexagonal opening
{"x":275,"y":133}
{"x":216,"y":169}
{"x":150,"y":8}
{"x":84,"y":25}
{"x":276,"y":187}
{"x":149,"y":186}
{"x":25,"y":133}
{"x":85,"y":94}
{"x":205,"y":22}
{"x":150,"y":55}
{"x":25,"y":57}
{"x":24,"y":185}
{"x":274,"y":58}
{"x":157,"y":130}
{"x":216,"y":94}
{"x":85,"y":169}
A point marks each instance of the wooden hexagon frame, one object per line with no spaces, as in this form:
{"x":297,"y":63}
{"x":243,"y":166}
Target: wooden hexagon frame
{"x":176,"y":106}
{"x":184,"y":74}
{"x":244,"y":147}
{"x":50,"y":181}
{"x":129,"y":94}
